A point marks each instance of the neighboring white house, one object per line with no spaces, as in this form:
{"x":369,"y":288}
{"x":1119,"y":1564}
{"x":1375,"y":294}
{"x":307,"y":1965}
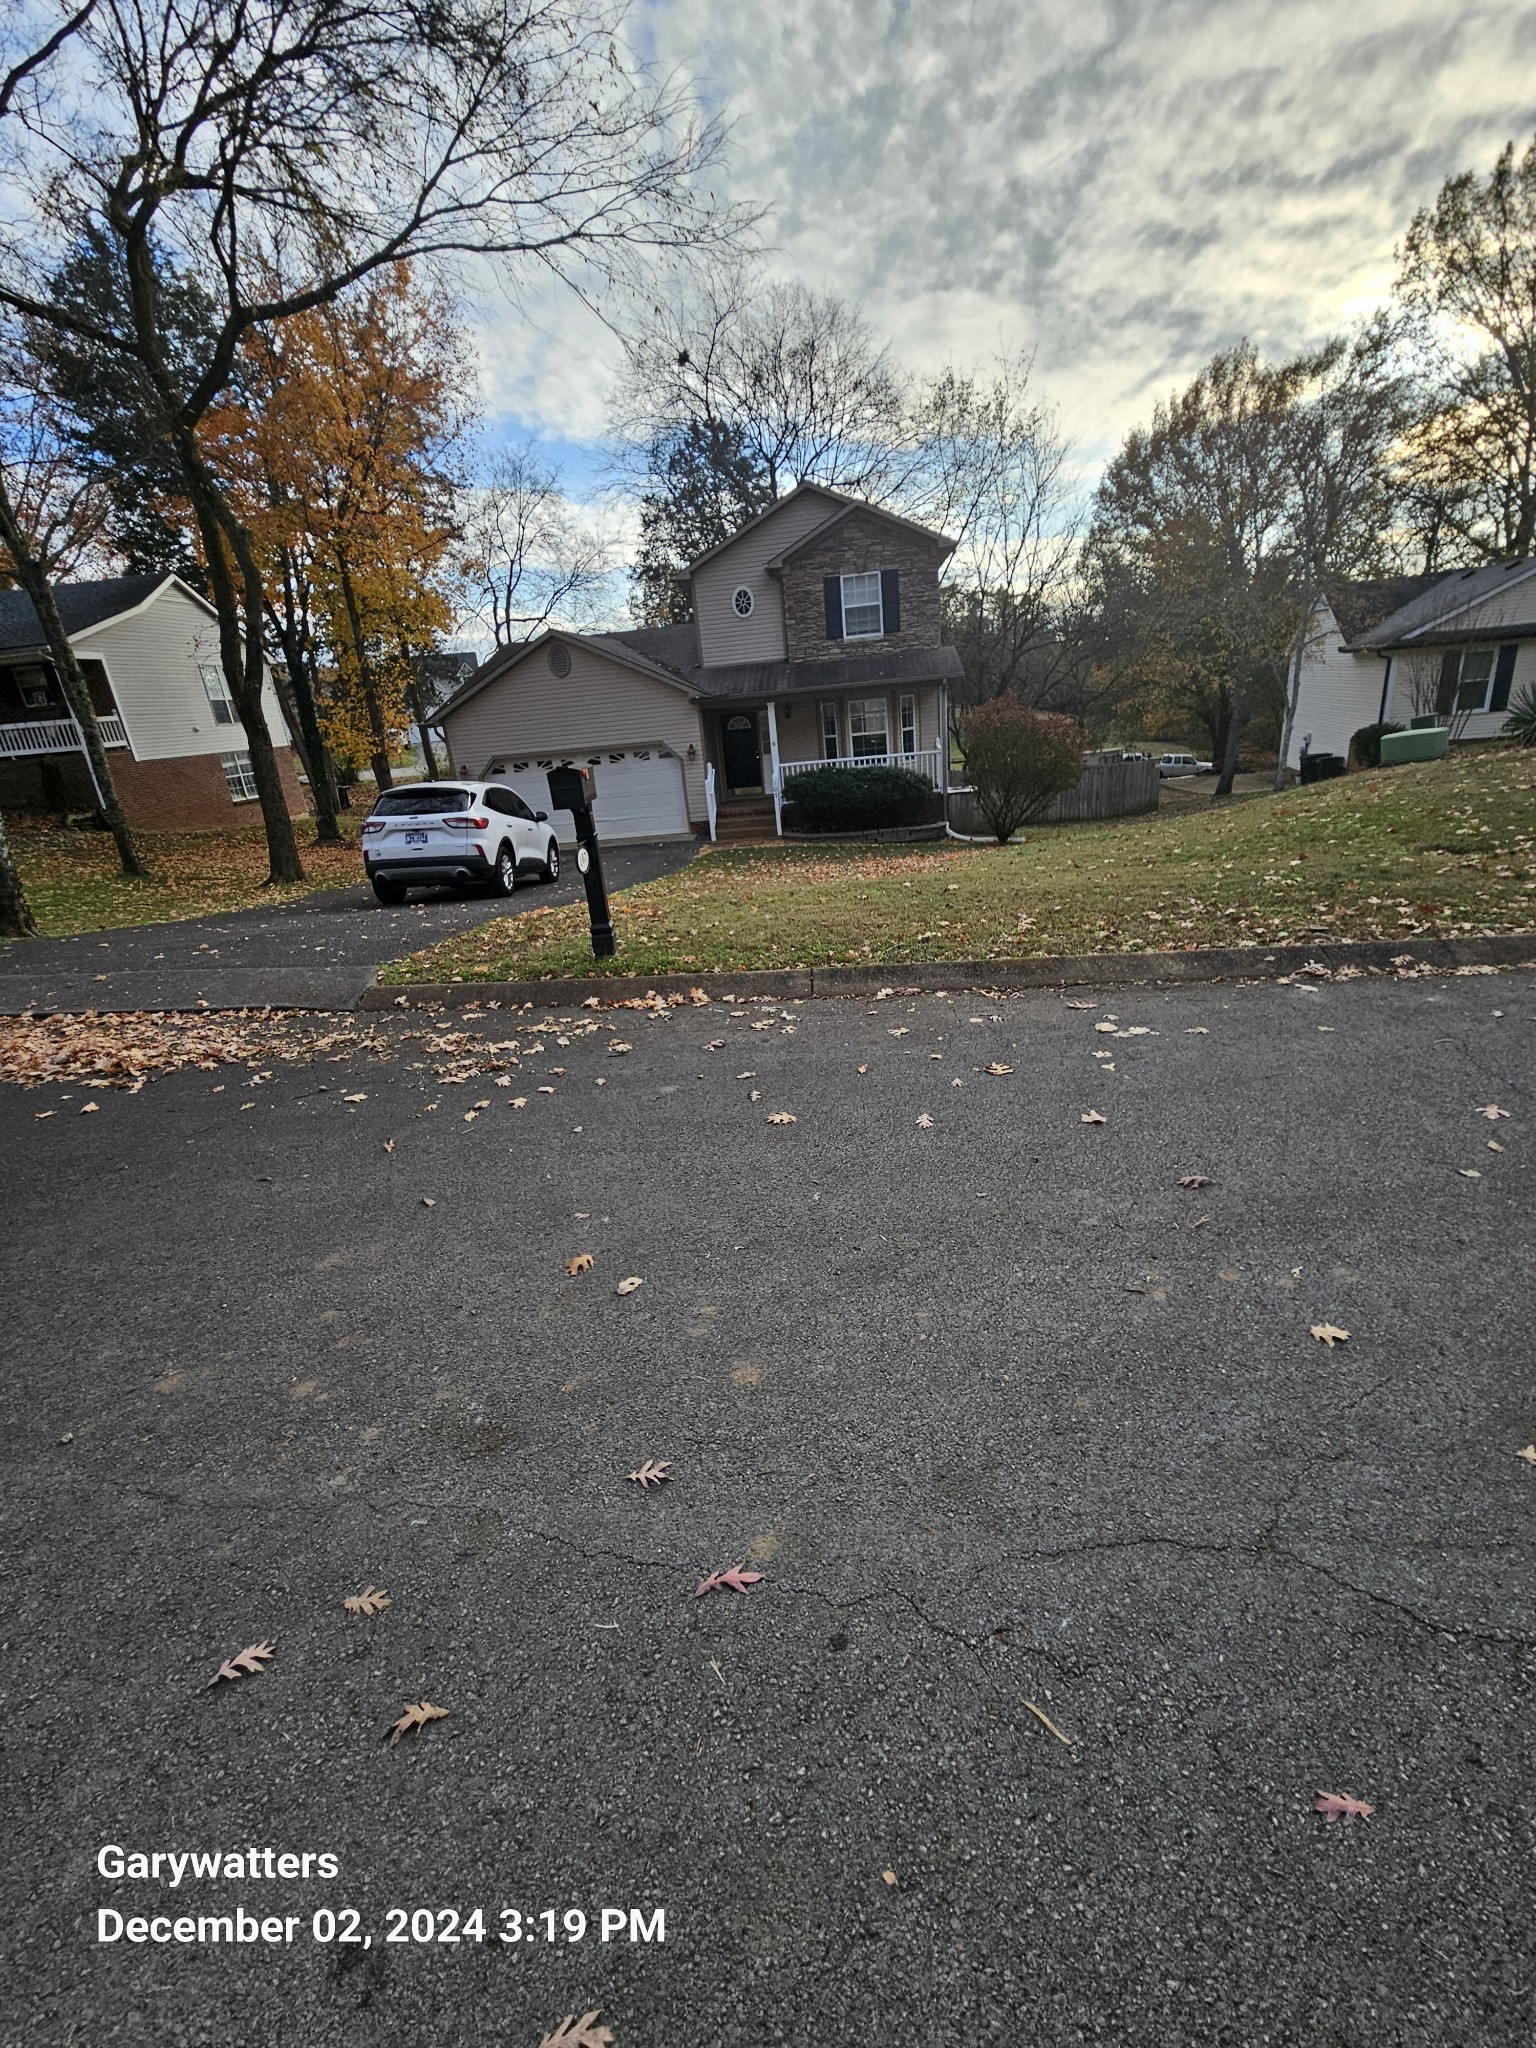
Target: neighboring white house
{"x":148,"y":646}
{"x":1457,"y":646}
{"x":816,"y":638}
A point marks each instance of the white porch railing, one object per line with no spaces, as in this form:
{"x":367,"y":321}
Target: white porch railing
{"x":923,"y":763}
{"x":709,"y":797}
{"x":56,"y":736}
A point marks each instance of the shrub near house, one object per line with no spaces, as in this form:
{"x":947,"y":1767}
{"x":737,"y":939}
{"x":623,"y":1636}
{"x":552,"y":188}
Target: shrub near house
{"x":856,"y":799}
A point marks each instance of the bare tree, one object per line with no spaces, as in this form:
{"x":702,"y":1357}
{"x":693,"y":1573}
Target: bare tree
{"x":16,"y":919}
{"x":527,"y":558}
{"x":284,"y":153}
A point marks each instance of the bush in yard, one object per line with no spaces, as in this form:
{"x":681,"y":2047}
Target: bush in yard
{"x":855,"y":799}
{"x":1018,"y":761}
{"x":1365,"y":744}
{"x":1521,"y":722}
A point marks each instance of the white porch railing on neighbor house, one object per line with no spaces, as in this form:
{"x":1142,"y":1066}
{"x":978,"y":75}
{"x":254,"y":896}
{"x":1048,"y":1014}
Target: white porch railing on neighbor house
{"x":924,"y":763}
{"x":56,"y":736}
{"x":709,"y":797}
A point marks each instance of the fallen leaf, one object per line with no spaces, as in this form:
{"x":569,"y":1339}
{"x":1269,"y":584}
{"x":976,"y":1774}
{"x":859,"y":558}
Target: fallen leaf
{"x":1080,"y":1006}
{"x":618,"y":1048}
{"x":1106,"y":1027}
{"x":470,"y":1115}
{"x":582,"y":2032}
{"x":925,"y":1122}
{"x":735,"y":1580}
{"x":1197,"y":1031}
{"x":90,"y":1109}
{"x":780,"y":1116}
{"x":1529,"y":1454}
{"x":628,"y":1286}
{"x":1196,"y":1180}
{"x":245,"y":1665}
{"x":1133,"y":1287}
{"x":857,"y":1070}
{"x":518,"y":1102}
{"x":42,"y":1113}
{"x":1494,"y":1145}
{"x":899,"y":1031}
{"x":546,"y":1090}
{"x":1469,"y":1173}
{"x":654,"y":1472}
{"x":389,"y":1144}
{"x":581,"y":1263}
{"x":996,"y":1067}
{"x":354,"y":1098}
{"x":372,"y":1600}
{"x":413,"y":1718}
{"x":754,"y":1095}
{"x":749,"y":1075}
{"x":1091,"y":1116}
{"x":1491,"y":1110}
{"x":1339,"y":1806}
{"x":1330,"y":1334}
{"x":715,"y":1045}
{"x":889,"y":1876}
{"x":427,"y":1202}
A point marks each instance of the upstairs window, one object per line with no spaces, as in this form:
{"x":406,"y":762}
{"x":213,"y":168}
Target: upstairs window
{"x":862,"y":618}
{"x":217,"y":692}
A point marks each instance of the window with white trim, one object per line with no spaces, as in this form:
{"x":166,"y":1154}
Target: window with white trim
{"x":868,"y":730}
{"x":830,"y":745}
{"x":216,"y":690}
{"x":741,"y":602}
{"x":1475,"y":678}
{"x":240,"y":776}
{"x":862,"y":618}
{"x":909,"y":725}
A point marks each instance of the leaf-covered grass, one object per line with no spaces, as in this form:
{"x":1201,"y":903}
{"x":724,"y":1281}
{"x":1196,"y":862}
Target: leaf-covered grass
{"x":74,"y":884}
{"x":1439,"y":848}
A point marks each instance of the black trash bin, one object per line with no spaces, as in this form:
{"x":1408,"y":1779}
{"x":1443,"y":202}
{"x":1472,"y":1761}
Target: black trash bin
{"x":1322,"y":767}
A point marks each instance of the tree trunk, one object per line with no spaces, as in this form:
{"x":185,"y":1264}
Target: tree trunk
{"x":376,"y":728}
{"x":77,"y":690}
{"x":1292,"y":696}
{"x":1229,"y":753}
{"x":419,"y":707}
{"x":16,"y":919}
{"x":306,"y":726}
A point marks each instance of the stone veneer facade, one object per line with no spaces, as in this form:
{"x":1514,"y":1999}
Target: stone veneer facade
{"x":861,"y":542}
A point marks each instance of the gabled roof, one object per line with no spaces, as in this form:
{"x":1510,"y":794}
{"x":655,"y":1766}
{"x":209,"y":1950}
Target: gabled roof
{"x":505,"y":659}
{"x":789,"y":497}
{"x":81,"y":606}
{"x":846,"y":510}
{"x":1433,"y":613}
{"x":1357,"y":607}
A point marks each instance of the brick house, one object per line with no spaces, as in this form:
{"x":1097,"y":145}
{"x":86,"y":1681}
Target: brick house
{"x":148,"y":647}
{"x":815,"y":638}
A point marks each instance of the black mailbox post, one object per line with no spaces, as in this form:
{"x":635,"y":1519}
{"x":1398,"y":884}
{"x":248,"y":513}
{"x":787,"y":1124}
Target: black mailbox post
{"x":572,"y":789}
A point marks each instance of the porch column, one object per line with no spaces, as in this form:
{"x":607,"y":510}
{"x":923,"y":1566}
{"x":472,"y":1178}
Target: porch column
{"x":943,"y":740}
{"x":773,"y":769}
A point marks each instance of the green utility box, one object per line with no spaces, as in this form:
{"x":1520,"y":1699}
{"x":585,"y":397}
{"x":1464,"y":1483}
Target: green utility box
{"x":1424,"y":743}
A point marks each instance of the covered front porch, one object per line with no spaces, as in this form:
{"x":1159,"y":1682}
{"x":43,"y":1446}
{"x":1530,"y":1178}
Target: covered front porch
{"x":755,"y":748}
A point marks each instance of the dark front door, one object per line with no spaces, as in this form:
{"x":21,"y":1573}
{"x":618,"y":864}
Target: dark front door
{"x":743,"y":757}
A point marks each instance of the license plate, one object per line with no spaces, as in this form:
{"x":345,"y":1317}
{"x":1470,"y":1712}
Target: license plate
{"x":415,"y":838}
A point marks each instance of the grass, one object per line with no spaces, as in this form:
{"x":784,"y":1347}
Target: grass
{"x":74,"y":884}
{"x":1439,"y":848}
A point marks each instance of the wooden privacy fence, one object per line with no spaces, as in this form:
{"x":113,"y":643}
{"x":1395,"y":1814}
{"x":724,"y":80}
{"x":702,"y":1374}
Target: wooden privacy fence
{"x":1105,"y":789}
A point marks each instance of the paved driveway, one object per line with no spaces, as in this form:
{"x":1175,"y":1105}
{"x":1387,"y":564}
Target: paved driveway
{"x":320,"y":951}
{"x":1002,"y":1413}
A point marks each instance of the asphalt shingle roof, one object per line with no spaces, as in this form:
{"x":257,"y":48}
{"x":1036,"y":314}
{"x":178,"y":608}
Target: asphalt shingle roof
{"x":1439,"y":599}
{"x":80,"y":605}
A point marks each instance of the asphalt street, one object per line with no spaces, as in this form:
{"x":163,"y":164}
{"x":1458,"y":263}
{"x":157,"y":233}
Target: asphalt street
{"x":318,"y":950}
{"x":1085,"y":1566}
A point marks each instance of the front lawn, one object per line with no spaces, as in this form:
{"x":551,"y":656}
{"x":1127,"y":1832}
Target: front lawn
{"x":1440,"y":849}
{"x":74,"y":884}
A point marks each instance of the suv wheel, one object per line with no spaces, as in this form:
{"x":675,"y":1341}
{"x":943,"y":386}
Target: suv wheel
{"x":388,"y":891}
{"x":504,"y":881}
{"x":551,"y":868}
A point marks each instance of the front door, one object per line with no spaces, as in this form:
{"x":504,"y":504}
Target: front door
{"x":743,"y":756}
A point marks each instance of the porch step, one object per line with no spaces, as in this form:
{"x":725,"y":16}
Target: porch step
{"x":742,"y":818}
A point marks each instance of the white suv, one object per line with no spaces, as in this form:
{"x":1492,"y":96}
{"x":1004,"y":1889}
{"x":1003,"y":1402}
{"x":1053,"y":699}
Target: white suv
{"x":461,"y":833}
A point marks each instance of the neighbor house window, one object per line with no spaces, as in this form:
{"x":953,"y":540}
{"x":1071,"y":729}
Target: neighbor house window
{"x":240,"y":777}
{"x":861,"y":607}
{"x":1476,"y":678}
{"x":868,"y":732}
{"x":217,"y":692}
{"x":909,"y":725}
{"x":830,"y":748}
{"x":33,"y":685}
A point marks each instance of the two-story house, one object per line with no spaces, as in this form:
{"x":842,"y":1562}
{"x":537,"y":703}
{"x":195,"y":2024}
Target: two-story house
{"x":815,"y":638}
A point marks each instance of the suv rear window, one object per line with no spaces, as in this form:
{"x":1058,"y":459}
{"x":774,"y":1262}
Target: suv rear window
{"x":435,"y":802}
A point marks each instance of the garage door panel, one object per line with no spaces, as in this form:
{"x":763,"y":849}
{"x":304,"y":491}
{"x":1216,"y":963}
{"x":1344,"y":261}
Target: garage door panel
{"x":640,"y":792}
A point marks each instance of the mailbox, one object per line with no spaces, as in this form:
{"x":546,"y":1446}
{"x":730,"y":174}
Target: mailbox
{"x":571,"y":789}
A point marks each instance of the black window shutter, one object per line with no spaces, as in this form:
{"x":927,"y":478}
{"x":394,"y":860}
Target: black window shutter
{"x":890,"y":599}
{"x":1450,"y":670}
{"x":1503,"y":676}
{"x":833,"y":587}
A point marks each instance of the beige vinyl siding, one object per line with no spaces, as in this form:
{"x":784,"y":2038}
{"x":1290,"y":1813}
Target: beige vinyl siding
{"x":1339,"y":692}
{"x":725,"y":639}
{"x":1514,"y":606}
{"x":152,"y":657}
{"x":528,"y":710}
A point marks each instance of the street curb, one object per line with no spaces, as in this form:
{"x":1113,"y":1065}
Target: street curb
{"x":1089,"y":970}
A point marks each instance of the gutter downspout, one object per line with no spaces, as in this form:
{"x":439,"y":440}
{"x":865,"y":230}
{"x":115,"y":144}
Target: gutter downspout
{"x":1386,"y":692}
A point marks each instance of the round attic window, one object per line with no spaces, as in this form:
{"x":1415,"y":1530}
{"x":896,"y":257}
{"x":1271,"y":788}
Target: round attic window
{"x":741,"y":603}
{"x":560,"y":659}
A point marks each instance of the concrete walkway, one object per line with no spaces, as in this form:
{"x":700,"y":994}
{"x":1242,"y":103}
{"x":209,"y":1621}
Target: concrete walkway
{"x":315,"y":954}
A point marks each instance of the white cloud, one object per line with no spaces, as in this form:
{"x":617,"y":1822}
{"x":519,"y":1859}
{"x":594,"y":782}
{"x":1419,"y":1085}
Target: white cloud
{"x":1121,"y":185}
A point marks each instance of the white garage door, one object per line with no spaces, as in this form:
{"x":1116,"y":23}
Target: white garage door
{"x":639,"y":792}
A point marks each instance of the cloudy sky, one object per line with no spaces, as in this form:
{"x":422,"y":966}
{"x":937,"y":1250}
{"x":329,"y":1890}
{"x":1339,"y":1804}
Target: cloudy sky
{"x":1122,"y":186}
